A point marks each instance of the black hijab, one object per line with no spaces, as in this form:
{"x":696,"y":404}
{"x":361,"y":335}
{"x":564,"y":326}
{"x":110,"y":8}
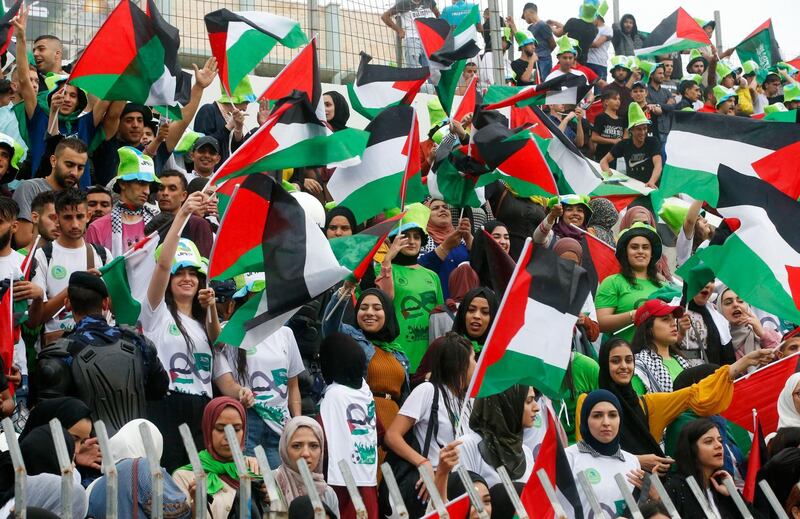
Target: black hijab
{"x":342,"y":360}
{"x":341,"y":111}
{"x":498,"y":421}
{"x":391,"y":328}
{"x":67,"y":409}
{"x":460,"y":321}
{"x":342,"y":211}
{"x":492,"y":264}
{"x":634,"y":429}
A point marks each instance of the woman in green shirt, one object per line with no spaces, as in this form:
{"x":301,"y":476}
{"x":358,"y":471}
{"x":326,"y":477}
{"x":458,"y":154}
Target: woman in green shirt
{"x":618,"y":297}
{"x":655,"y":343}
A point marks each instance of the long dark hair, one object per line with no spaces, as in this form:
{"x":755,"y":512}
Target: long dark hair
{"x":198,"y":314}
{"x":449,"y":363}
{"x":627,"y":271}
{"x":686,"y":450}
{"x":643,"y":339}
{"x":630,"y":17}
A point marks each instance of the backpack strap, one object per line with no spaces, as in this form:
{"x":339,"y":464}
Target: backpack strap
{"x":89,"y":256}
{"x":433,"y":422}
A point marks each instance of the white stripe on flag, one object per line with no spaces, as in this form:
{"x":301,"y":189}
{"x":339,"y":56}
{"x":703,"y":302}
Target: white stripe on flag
{"x":566,"y":96}
{"x":377,"y":95}
{"x":669,"y":41}
{"x":545,"y":334}
{"x":578,"y":174}
{"x":276,"y":25}
{"x":703,"y":153}
{"x":321,"y":270}
{"x":379,"y":161}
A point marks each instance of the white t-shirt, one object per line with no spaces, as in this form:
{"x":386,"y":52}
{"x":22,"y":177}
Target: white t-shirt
{"x":190,"y":371}
{"x":413,"y":11}
{"x":11,"y":267}
{"x":270,"y":365}
{"x":600,"y":473}
{"x":470,"y":457}
{"x":348,"y":416}
{"x":53,"y":277}
{"x":418,"y":407}
{"x":599,"y":55}
{"x":533,"y":436}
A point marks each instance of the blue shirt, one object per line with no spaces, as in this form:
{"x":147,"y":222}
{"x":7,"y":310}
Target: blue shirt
{"x":444,"y":268}
{"x":456,"y":12}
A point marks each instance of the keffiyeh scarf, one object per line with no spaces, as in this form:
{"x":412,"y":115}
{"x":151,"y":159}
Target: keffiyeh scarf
{"x":117,"y":247}
{"x":652,"y":372}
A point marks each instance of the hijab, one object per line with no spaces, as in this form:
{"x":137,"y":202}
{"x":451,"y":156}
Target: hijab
{"x":67,"y":409}
{"x":342,"y":211}
{"x":460,"y":321}
{"x":592,"y":399}
{"x":407,"y":260}
{"x":342,"y":360}
{"x":564,"y":229}
{"x":498,"y":421}
{"x":135,"y":493}
{"x":128,"y":443}
{"x":217,"y":468}
{"x":391,"y":328}
{"x":288,"y":475}
{"x":301,"y":508}
{"x":569,"y":245}
{"x":743,"y":338}
{"x":341,"y":111}
{"x":493,"y":265}
{"x":787,"y":412}
{"x":634,"y":429}
{"x":604,"y":217}
{"x":635,"y":214}
{"x":440,"y":232}
{"x":462,"y":279}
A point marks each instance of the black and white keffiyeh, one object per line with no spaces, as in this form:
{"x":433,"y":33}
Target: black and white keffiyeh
{"x":652,"y":372}
{"x":119,"y":209}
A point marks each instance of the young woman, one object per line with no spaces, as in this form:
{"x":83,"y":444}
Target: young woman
{"x":566,"y":213}
{"x":644,"y":418}
{"x":642,"y":214}
{"x":658,"y":361}
{"x":475,"y":316}
{"x":222,"y":478}
{"x":303,"y":438}
{"x":638,"y":250}
{"x":699,"y":454}
{"x":376,"y":333}
{"x":497,"y":423}
{"x":462,"y":280}
{"x":448,"y":246}
{"x":600,"y":454}
{"x":339,"y":222}
{"x":789,"y":403}
{"x":747,"y":333}
{"x":347,"y":413}
{"x":604,"y":218}
{"x":499,"y":232}
{"x":180,"y":317}
{"x":75,"y":417}
{"x":337,"y":111}
{"x":707,"y":338}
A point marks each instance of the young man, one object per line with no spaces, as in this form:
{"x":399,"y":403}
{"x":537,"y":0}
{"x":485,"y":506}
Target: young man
{"x":67,"y":165}
{"x":172,"y":192}
{"x":639,"y":95}
{"x":44,"y":218}
{"x":56,"y":261}
{"x":9,"y":158}
{"x":697,"y":63}
{"x":690,"y":94}
{"x":581,"y":29}
{"x":456,"y":12}
{"x":725,"y":100}
{"x":623,"y":78}
{"x":660,"y":101}
{"x":98,"y":202}
{"x":470,"y":71}
{"x":597,"y":57}
{"x":642,"y":154}
{"x":668,"y":84}
{"x":608,"y":127}
{"x":124,"y":225}
{"x":566,"y":56}
{"x":543,"y":35}
{"x":408,"y":11}
{"x":47,"y":54}
{"x":524,"y":67}
{"x":205,"y":155}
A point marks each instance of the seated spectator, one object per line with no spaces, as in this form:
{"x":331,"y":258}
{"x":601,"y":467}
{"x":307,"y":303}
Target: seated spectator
{"x":642,"y":154}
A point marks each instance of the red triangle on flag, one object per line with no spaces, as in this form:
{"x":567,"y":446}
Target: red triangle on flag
{"x":533,"y":497}
{"x":411,"y":150}
{"x":301,"y":73}
{"x":467,"y":105}
{"x":781,"y":168}
{"x":458,"y":507}
{"x":688,"y":28}
{"x":754,"y":461}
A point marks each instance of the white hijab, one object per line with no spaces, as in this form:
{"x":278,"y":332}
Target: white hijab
{"x":787,"y":412}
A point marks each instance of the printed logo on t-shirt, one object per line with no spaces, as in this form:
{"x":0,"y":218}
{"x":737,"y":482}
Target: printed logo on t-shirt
{"x":174,"y":330}
{"x":58,"y":272}
{"x":593,"y":475}
{"x":361,"y":422}
{"x":183,"y":371}
{"x":268,"y":386}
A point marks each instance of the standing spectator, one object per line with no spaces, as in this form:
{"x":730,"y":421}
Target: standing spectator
{"x":642,"y":154}
{"x":48,"y":51}
{"x":725,"y":100}
{"x":454,"y":13}
{"x":623,"y":78}
{"x":98,"y":202}
{"x":582,"y":29}
{"x":543,"y":35}
{"x":626,"y":36}
{"x":525,"y":66}
{"x":690,"y":94}
{"x":172,"y":193}
{"x":609,"y":129}
{"x":567,"y":56}
{"x":337,"y":111}
{"x":697,"y":63}
{"x":487,"y":58}
{"x":408,"y":11}
{"x":669,"y":84}
{"x":470,"y":71}
{"x":205,"y":155}
{"x":660,"y":102}
{"x":597,"y":58}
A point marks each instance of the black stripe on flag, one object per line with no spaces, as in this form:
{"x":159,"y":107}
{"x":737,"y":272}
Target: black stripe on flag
{"x":390,"y":123}
{"x":663,"y":31}
{"x":373,"y":73}
{"x":736,"y":189}
{"x":771,"y":135}
{"x":556,"y":282}
{"x":301,"y":111}
{"x":491,"y":147}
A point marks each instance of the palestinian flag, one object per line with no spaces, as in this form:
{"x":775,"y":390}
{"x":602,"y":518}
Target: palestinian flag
{"x":302,"y":73}
{"x":529,"y":342}
{"x":493,"y":265}
{"x":759,"y":390}
{"x":599,"y":259}
{"x":127,"y":278}
{"x":677,"y":32}
{"x":379,"y":86}
{"x":356,"y":252}
{"x":6,"y":29}
{"x":445,"y":181}
{"x":9,"y":332}
{"x":468,"y":101}
{"x":552,"y":459}
{"x":376,"y":184}
{"x":698,"y":143}
{"x":758,"y":456}
{"x":760,"y":260}
{"x":293,"y":137}
{"x":458,"y":507}
{"x":695,"y":275}
{"x":760,"y":46}
{"x":565,"y":89}
{"x":240,"y":40}
{"x":266,"y":230}
{"x":144,"y":65}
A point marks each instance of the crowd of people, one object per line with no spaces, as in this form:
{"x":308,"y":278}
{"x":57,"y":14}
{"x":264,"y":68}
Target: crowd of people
{"x":376,"y":369}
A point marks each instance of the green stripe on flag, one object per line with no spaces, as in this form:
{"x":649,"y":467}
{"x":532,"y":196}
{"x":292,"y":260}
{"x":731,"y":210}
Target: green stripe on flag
{"x":698,"y":184}
{"x":384,"y":193}
{"x":250,"y":261}
{"x":517,"y":368}
{"x":446,"y":89}
{"x":234,"y":331}
{"x":126,"y":309}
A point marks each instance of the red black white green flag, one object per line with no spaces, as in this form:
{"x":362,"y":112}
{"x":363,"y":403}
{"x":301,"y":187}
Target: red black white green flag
{"x":564,"y":89}
{"x":380,"y":86}
{"x":356,"y":252}
{"x":266,"y":230}
{"x":760,"y":46}
{"x":677,"y":32}
{"x":302,"y":74}
{"x":755,"y":459}
{"x":240,"y":40}
{"x":293,"y":137}
{"x":599,"y":259}
{"x":6,"y":30}
{"x":9,"y":332}
{"x":529,"y":342}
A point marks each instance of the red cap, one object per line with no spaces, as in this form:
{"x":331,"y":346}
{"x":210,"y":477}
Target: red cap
{"x":655,"y":308}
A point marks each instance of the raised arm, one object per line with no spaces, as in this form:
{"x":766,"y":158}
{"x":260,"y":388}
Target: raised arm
{"x":203,"y":78}
{"x":26,"y":90}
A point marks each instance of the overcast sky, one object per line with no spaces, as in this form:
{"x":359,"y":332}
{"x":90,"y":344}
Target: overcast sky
{"x":739,"y":17}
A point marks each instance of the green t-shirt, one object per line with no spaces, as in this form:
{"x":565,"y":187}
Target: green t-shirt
{"x":417,"y":291}
{"x":585,"y":371}
{"x":674,"y":369}
{"x":615,"y":292}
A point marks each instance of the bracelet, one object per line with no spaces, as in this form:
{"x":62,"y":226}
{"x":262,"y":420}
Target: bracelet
{"x":422,"y":462}
{"x":632,"y":314}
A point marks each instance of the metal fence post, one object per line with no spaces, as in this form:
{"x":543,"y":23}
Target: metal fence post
{"x":65,"y":464}
{"x":109,"y":469}
{"x":241,"y":468}
{"x":718,"y":30}
{"x":333,"y":45}
{"x":313,"y":17}
{"x":20,"y":489}
{"x":496,"y":34}
{"x":200,"y":488}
